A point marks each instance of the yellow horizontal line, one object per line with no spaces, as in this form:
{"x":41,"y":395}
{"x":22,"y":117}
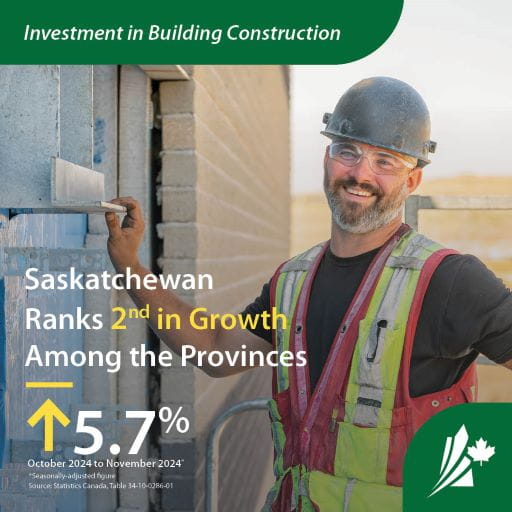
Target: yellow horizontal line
{"x":49,"y":384}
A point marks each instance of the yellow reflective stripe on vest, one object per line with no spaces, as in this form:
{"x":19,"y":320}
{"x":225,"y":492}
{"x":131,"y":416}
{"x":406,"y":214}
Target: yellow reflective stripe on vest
{"x":377,"y":356}
{"x":288,"y":288}
{"x":279,"y":438}
{"x":363,"y":437}
{"x":287,"y":293}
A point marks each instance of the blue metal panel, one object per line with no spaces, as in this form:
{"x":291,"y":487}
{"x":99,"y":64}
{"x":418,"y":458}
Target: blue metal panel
{"x":67,"y":231}
{"x":2,"y":372}
{"x":54,"y":231}
{"x":4,"y":220}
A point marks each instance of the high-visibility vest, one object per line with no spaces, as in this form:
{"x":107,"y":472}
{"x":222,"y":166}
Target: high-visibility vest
{"x":340,"y":447}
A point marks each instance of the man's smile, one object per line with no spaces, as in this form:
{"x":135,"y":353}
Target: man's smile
{"x":356,"y":193}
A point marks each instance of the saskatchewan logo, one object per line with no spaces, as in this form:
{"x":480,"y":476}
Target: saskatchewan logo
{"x":456,"y":470}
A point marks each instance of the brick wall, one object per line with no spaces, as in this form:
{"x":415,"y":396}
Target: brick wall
{"x":225,"y":211}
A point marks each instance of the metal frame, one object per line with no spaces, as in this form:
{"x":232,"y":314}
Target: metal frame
{"x":415,"y":203}
{"x":212,"y":448}
{"x":78,"y":189}
{"x":166,"y":72}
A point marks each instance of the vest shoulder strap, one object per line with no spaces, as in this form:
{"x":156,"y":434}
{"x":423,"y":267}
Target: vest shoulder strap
{"x":302,"y":262}
{"x":284,"y":290}
{"x":412,"y":251}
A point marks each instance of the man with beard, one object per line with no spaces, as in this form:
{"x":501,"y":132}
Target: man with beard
{"x":391,"y":322}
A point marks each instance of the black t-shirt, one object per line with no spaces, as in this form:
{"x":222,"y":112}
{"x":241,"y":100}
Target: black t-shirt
{"x":467,"y":310}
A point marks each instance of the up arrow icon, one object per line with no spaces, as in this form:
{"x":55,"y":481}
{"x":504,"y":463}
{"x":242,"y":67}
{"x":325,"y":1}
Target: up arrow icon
{"x":49,"y":411}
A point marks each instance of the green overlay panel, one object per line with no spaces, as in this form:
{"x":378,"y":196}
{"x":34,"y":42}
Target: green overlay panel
{"x":164,"y":32}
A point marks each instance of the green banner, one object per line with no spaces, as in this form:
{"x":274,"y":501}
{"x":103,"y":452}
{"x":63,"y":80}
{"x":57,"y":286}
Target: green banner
{"x":460,"y":460}
{"x":163,"y":32}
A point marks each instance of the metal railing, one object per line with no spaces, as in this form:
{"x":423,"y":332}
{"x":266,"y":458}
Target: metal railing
{"x":212,"y":447}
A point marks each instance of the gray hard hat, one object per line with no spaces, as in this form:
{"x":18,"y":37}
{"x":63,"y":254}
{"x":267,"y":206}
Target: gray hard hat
{"x":383,"y":112}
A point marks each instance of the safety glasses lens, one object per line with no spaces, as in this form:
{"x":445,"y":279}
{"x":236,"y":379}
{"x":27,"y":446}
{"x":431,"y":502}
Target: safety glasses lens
{"x":346,"y":153}
{"x":380,"y":161}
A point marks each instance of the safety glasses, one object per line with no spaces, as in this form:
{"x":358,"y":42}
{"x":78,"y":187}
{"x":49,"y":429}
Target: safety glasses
{"x":381,"y":162}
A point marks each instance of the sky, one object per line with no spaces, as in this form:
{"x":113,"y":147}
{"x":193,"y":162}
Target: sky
{"x":458,"y":55}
